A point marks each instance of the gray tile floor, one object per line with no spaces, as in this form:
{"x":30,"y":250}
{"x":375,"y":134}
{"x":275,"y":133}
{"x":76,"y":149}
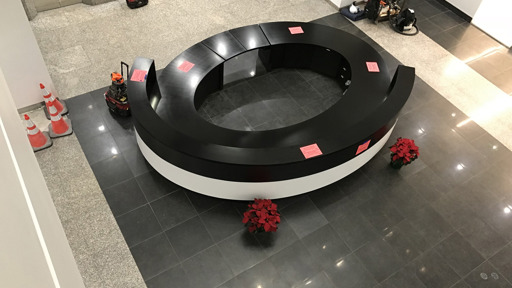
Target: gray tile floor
{"x":277,"y":99}
{"x":443,"y":221}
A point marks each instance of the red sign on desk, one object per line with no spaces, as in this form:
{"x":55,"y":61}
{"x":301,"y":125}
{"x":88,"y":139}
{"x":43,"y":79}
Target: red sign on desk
{"x":310,"y":151}
{"x":186,"y":66}
{"x":372,"y":66}
{"x":363,"y":147}
{"x":139,"y":75}
{"x":296,"y":30}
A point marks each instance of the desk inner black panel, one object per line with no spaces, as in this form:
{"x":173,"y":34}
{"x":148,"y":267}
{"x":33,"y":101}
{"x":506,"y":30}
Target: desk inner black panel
{"x":224,"y":44}
{"x":251,"y":37}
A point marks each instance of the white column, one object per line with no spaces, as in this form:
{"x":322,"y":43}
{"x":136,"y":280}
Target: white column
{"x":20,"y":57}
{"x":468,"y":7}
{"x":33,"y":247}
{"x":342,"y":3}
{"x":494,"y":18}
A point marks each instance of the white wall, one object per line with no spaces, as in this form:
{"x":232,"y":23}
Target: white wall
{"x":341,"y":3}
{"x":33,"y":247}
{"x":495,"y":21}
{"x":469,"y":7}
{"x":21,"y":59}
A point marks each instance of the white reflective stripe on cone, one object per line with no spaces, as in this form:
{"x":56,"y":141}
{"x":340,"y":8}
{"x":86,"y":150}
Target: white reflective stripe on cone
{"x":31,"y":127}
{"x":32,"y":130}
{"x":46,"y":93}
{"x":55,"y":116}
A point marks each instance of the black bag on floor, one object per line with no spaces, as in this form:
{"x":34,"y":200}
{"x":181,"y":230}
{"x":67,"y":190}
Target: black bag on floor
{"x":136,"y":3}
{"x":371,"y":10}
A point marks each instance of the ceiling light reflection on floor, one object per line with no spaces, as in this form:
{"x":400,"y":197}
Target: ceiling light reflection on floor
{"x":339,"y":263}
{"x":490,"y":110}
{"x":460,"y":166}
{"x":486,"y":53}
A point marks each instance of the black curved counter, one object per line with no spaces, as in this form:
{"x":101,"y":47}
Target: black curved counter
{"x":226,"y":163}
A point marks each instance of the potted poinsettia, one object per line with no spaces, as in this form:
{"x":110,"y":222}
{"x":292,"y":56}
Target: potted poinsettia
{"x":261,"y":216}
{"x":403,"y":152}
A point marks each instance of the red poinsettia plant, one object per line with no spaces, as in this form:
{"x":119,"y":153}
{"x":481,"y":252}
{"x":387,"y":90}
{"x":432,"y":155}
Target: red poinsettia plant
{"x":403,"y":152}
{"x":262,"y":216}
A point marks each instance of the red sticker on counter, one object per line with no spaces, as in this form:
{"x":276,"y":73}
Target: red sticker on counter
{"x":310,"y":151}
{"x":296,"y":30}
{"x":186,"y":66}
{"x":363,"y":147}
{"x":372,"y":66}
{"x":139,"y":75}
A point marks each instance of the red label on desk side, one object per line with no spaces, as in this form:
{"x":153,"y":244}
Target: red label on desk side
{"x":296,"y":30}
{"x":139,"y":75}
{"x":310,"y":151}
{"x":372,"y":66}
{"x":186,"y":66}
{"x":363,"y":147}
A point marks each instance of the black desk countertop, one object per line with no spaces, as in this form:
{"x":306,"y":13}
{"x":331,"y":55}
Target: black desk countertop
{"x":177,"y":133}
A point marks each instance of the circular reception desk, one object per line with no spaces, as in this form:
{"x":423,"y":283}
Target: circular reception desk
{"x":243,"y":165}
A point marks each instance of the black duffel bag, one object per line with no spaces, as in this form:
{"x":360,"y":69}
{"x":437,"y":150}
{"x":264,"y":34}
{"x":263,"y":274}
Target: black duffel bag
{"x":371,"y":9}
{"x":136,"y":3}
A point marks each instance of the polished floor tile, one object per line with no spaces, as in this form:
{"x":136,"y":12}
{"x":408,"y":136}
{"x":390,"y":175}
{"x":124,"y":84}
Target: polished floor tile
{"x":155,"y":186}
{"x":273,"y":100}
{"x":136,"y":161}
{"x":173,"y":275}
{"x":404,"y":241}
{"x":503,"y":261}
{"x":241,"y":251}
{"x":486,"y":275}
{"x":459,"y":254}
{"x":111,"y":171}
{"x":303,"y":216}
{"x":351,"y":273}
{"x":138,"y":225}
{"x":99,"y":147}
{"x":173,"y":209}
{"x":433,"y":271}
{"x":222,"y":221}
{"x":275,"y":242}
{"x":189,"y":238}
{"x":380,"y":259}
{"x":431,"y":225}
{"x":354,"y":229}
{"x":263,"y":274}
{"x":403,"y":278}
{"x":154,"y":256}
{"x":124,"y":197}
{"x":483,"y":237}
{"x":295,"y":265}
{"x":325,"y":245}
{"x":207,"y":269}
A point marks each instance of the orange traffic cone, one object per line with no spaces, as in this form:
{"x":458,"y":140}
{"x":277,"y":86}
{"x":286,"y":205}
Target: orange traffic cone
{"x":59,"y":126}
{"x":38,"y":140}
{"x":61,"y":107}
